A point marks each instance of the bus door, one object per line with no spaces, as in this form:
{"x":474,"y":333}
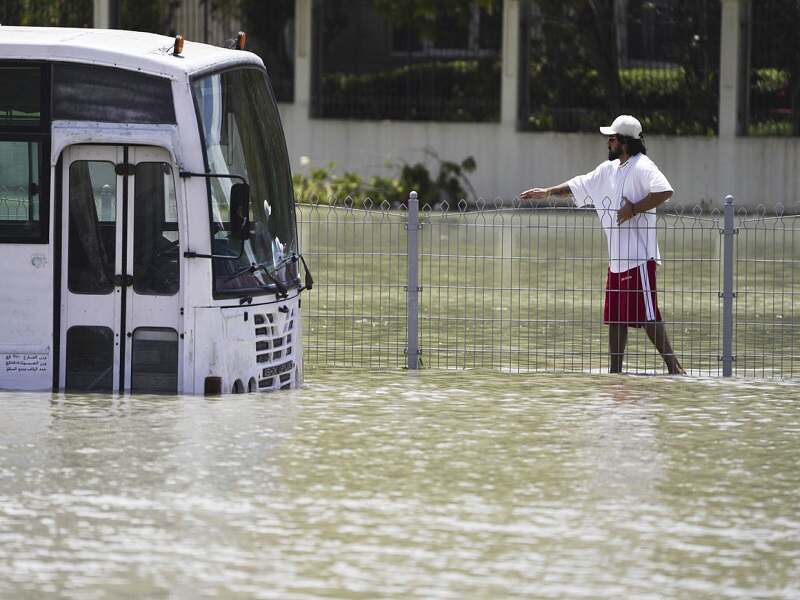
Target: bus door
{"x":120,"y":271}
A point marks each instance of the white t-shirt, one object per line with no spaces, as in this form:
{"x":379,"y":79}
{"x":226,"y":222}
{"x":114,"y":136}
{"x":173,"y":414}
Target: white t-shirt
{"x":634,"y":242}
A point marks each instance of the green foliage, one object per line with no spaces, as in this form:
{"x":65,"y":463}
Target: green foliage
{"x":771,"y":101}
{"x":576,"y":80}
{"x":322,"y":185}
{"x":47,"y":13}
{"x":266,"y":24}
{"x":771,"y":128}
{"x":227,"y":8}
{"x":461,"y":90}
{"x":411,"y":11}
{"x":420,"y":60}
{"x":775,"y":78}
{"x":769,"y":81}
{"x":660,"y":97}
{"x":154,"y":16}
{"x":138,"y":15}
{"x":424,"y":14}
{"x":451,"y":184}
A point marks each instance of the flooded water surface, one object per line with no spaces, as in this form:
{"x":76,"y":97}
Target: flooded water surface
{"x":398,"y":485}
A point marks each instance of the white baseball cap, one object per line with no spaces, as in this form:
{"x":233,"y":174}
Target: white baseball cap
{"x":624,"y":125}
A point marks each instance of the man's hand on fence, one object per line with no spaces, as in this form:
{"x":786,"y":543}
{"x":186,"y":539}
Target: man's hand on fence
{"x":626,"y":212}
{"x":535,"y":194}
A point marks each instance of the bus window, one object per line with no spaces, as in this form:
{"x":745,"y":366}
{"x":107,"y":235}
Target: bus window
{"x":155,"y":231}
{"x":154,"y":361}
{"x":20,"y":96}
{"x":93,"y":93}
{"x":92,"y":239}
{"x":90,"y":359}
{"x":20,"y":201}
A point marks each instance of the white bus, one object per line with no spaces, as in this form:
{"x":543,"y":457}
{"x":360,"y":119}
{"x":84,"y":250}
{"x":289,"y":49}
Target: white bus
{"x":148,"y":241}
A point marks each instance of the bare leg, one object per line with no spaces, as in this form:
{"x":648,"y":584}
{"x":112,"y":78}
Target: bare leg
{"x":658,"y":335}
{"x":617,"y":338}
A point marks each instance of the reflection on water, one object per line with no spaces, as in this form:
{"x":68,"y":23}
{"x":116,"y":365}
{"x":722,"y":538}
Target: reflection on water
{"x":430,"y":485}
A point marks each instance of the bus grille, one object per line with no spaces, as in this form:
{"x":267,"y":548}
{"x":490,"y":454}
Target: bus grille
{"x":275,"y":340}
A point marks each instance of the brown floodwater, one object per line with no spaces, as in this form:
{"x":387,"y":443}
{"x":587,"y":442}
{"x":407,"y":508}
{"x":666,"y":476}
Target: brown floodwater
{"x":407,"y":485}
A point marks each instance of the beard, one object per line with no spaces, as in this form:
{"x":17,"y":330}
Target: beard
{"x":614,"y":154}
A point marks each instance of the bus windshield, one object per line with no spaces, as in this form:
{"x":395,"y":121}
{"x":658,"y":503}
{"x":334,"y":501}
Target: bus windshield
{"x":241,"y":129}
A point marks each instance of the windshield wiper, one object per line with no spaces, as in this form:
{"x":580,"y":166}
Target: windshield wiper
{"x":309,"y":278}
{"x":282,"y":291}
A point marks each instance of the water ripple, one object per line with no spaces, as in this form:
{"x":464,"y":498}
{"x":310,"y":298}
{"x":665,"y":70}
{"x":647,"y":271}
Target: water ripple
{"x":407,"y":485}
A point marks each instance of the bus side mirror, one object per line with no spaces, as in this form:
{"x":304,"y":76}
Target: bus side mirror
{"x":240,"y":211}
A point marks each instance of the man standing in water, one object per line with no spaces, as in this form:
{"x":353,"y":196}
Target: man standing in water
{"x":625,"y":191}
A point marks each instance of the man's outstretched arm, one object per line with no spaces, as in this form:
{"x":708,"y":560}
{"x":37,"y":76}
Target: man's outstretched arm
{"x":557,"y":191}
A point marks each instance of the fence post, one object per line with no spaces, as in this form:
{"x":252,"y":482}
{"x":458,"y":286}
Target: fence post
{"x":727,"y":289}
{"x":412,"y":285}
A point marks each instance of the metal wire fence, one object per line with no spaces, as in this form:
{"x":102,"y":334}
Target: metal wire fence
{"x":522,"y":289}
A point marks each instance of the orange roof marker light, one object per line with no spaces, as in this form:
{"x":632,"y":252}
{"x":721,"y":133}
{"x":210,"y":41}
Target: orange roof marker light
{"x":178,"y":48}
{"x":241,"y":40}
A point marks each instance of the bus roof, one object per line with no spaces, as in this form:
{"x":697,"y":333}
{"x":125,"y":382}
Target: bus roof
{"x":132,"y":50}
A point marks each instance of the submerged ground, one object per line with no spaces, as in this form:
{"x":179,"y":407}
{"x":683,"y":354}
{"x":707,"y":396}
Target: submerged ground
{"x":428,"y":485}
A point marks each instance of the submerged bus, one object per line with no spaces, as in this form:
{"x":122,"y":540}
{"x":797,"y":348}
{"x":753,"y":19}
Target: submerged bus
{"x":148,"y":241}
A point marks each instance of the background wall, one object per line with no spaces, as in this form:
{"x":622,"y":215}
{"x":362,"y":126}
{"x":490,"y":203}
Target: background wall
{"x":701,"y":169}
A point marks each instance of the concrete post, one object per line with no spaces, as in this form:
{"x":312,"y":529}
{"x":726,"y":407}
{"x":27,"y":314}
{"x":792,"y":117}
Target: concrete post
{"x":509,"y":95}
{"x":102,"y":14}
{"x":302,"y":53}
{"x":733,"y":68}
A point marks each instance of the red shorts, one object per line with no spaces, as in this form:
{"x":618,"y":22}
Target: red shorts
{"x":631,"y":296}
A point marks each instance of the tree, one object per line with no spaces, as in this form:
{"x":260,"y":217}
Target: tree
{"x":47,"y":13}
{"x":155,"y":16}
{"x":140,"y":15}
{"x":422,"y":15}
{"x":584,"y":32}
{"x":270,"y":34}
{"x":589,"y":58}
{"x":10,"y":12}
{"x":779,"y":22}
{"x":695,"y":46}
